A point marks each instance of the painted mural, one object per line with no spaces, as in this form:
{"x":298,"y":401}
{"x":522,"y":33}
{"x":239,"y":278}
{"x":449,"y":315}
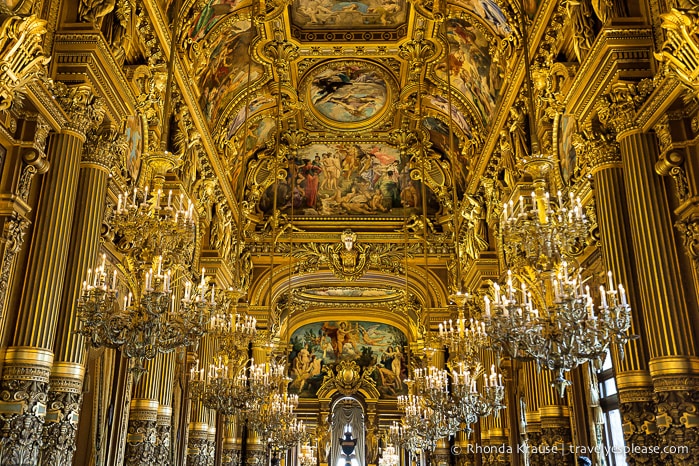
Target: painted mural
{"x":348,"y":92}
{"x":333,"y":14}
{"x":439,"y":135}
{"x":566,"y":150}
{"x":210,"y":14}
{"x":256,"y":103}
{"x":375,"y":347}
{"x":227,"y":71}
{"x":351,"y":292}
{"x":490,"y":12}
{"x":470,"y":67}
{"x":440,"y":103}
{"x":134,"y":140}
{"x":347,"y":179}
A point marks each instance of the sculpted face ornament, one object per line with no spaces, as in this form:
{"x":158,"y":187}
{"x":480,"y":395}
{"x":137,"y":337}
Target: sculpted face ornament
{"x":348,"y":238}
{"x":348,"y":259}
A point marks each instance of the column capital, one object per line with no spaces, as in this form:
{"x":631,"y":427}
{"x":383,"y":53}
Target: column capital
{"x":617,"y":109}
{"x":104,"y":149}
{"x":598,"y":149}
{"x":85,"y":109}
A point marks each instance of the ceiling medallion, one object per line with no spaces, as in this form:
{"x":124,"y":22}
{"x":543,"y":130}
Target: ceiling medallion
{"x":348,"y":94}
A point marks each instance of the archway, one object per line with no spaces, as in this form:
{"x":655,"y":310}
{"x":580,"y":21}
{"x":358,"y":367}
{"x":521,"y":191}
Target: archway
{"x":347,"y":415}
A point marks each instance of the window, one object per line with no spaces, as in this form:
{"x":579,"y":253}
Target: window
{"x":613,"y":434}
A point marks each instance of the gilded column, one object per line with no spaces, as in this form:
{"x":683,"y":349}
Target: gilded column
{"x":530,"y":413}
{"x":554,"y":416}
{"x":673,"y":365}
{"x":602,"y":156}
{"x":230,"y":455}
{"x":65,"y":395}
{"x":163,"y":445}
{"x":198,"y":448}
{"x":28,"y":362}
{"x":141,"y":439}
{"x":255,"y":447}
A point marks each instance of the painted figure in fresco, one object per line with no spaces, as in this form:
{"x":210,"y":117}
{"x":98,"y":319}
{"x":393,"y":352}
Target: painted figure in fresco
{"x":310,"y":174}
{"x":393,"y":360}
{"x":409,"y":196}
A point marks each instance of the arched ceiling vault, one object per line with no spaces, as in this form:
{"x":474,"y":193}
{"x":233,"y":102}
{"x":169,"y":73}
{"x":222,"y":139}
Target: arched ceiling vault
{"x":346,"y":74}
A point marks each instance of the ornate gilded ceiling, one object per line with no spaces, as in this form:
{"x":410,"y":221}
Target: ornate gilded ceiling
{"x":354,"y":77}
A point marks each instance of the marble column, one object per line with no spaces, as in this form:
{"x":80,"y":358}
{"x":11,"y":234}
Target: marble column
{"x":29,"y":360}
{"x":99,"y":155}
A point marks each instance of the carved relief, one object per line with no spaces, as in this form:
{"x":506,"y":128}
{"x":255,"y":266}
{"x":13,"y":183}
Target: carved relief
{"x":22,"y":58}
{"x":618,"y":108}
{"x":61,"y":426}
{"x":349,"y":260}
{"x":105,"y":149}
{"x":689,"y":229}
{"x":638,"y":419}
{"x":24,"y":397}
{"x":13,"y":238}
{"x":85,"y":109}
{"x":141,"y":442}
{"x":681,"y":46}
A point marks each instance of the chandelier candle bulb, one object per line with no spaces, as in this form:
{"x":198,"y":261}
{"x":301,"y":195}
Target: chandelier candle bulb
{"x":169,"y":199}
{"x":603,"y":295}
{"x":134,"y":196}
{"x":622,"y":295}
{"x":145,"y":196}
{"x":609,"y":276}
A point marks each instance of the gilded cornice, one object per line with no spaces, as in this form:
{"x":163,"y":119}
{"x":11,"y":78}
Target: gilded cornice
{"x":42,"y":98}
{"x":617,"y":51}
{"x":88,"y":57}
{"x":667,"y":90}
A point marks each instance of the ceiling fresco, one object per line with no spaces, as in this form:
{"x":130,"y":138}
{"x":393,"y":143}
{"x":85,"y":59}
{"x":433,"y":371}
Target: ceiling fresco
{"x":346,"y":72}
{"x":343,"y":92}
{"x":340,"y":180}
{"x":337,"y":14}
{"x":229,"y":68}
{"x":378,"y":349}
{"x":470,"y":67}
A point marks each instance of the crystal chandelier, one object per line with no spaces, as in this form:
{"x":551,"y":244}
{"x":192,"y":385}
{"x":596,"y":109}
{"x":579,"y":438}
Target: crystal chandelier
{"x":540,"y":233}
{"x":151,"y":229}
{"x":568,"y":330}
{"x":423,"y":424}
{"x":468,"y":337}
{"x":389,"y":457}
{"x":307,"y":455}
{"x":455,"y":394}
{"x":276,"y":421}
{"x":151,"y":322}
{"x":230,"y":389}
{"x":232,"y":330}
